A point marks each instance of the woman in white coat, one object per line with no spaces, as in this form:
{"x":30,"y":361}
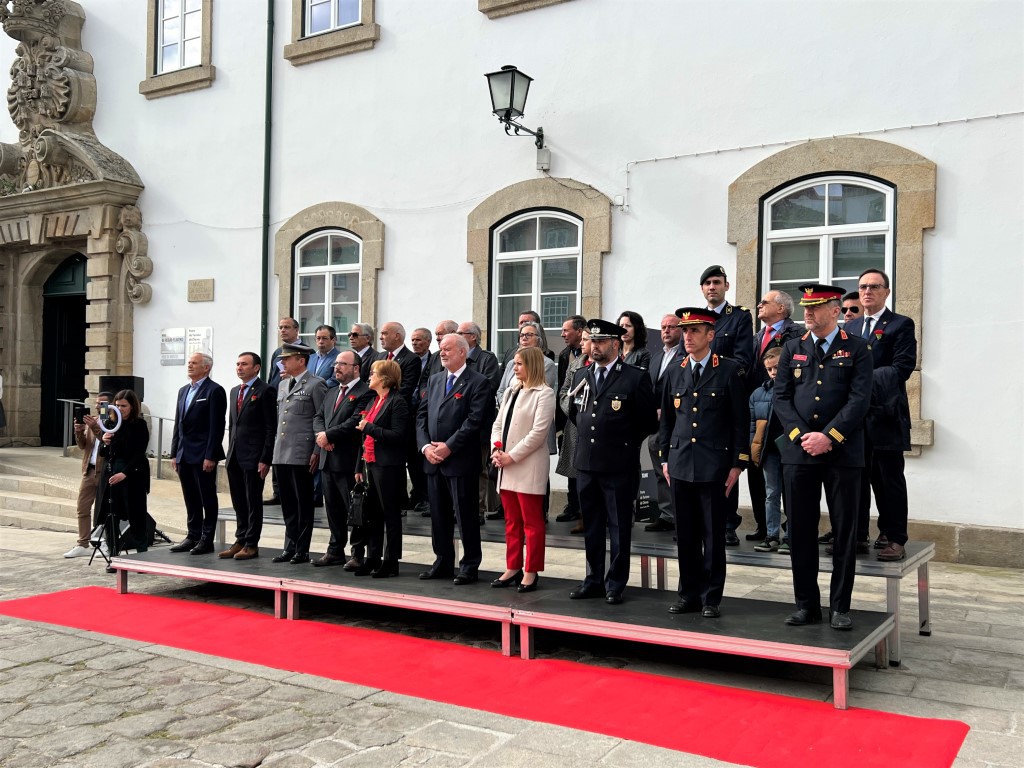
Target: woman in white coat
{"x":519,"y":440}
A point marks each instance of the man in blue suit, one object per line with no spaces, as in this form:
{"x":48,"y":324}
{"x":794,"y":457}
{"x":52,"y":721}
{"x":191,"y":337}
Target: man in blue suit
{"x":321,"y":364}
{"x":197,"y":445}
{"x":458,"y":405}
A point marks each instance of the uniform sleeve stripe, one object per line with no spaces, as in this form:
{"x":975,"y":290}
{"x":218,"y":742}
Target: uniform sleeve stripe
{"x":794,"y":434}
{"x":836,"y":435}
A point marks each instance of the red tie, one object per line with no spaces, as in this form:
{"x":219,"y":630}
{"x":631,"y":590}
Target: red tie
{"x":241,"y":399}
{"x":391,"y":355}
{"x":768,"y":333}
{"x":341,"y":396}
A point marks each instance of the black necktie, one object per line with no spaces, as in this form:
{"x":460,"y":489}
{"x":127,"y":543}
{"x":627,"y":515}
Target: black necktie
{"x":600,"y":378}
{"x":696,"y":373}
{"x":819,"y":350}
{"x":291,"y":385}
{"x":867,"y":327}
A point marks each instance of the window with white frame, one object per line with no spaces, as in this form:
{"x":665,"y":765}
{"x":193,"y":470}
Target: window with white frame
{"x":326,"y":15}
{"x":179,"y":34}
{"x":537,"y":265}
{"x":328,"y":273}
{"x":826,"y":230}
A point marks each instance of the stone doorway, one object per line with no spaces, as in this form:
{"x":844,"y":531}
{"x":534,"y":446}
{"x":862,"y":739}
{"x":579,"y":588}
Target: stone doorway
{"x":62,"y":348}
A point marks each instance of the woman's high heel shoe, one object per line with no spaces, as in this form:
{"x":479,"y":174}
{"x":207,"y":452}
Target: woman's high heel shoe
{"x":515,"y":578}
{"x":532,"y":586}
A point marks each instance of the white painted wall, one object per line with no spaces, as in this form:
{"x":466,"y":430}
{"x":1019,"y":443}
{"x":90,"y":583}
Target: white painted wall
{"x":404,"y":130}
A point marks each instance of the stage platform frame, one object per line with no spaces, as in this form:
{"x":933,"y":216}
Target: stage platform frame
{"x":752,"y":628}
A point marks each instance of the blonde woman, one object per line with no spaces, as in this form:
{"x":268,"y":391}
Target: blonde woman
{"x":520,"y":451}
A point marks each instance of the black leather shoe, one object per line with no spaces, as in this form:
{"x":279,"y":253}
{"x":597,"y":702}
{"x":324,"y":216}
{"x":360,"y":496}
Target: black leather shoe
{"x":583,"y":592}
{"x":826,"y":538}
{"x":461,"y":579}
{"x":202,"y":548}
{"x":841,"y":620}
{"x":497,"y":515}
{"x":757,"y":536}
{"x":437,"y":573}
{"x":387,"y":568}
{"x":567,"y":517}
{"x":328,"y":559}
{"x":863,"y":548}
{"x":284,"y":557}
{"x":661,"y":524}
{"x":185,"y":545}
{"x":367,"y":568}
{"x":423,"y":508}
{"x":613,"y":598}
{"x":685,"y":606}
{"x":299,"y":559}
{"x":515,"y":578}
{"x":273,"y":501}
{"x":882,"y":541}
{"x":802,"y":617}
{"x":531,"y":587}
{"x":731,"y":539}
{"x":711,"y":612}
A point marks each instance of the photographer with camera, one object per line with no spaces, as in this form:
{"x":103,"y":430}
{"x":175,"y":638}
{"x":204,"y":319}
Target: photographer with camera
{"x":127,"y":473}
{"x":87,"y":437}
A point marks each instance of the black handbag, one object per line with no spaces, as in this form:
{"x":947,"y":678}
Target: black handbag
{"x":356,"y":502}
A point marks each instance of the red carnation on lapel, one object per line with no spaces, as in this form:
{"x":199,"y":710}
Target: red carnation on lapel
{"x":457,"y":395}
{"x":878,"y":334}
{"x":351,"y":398}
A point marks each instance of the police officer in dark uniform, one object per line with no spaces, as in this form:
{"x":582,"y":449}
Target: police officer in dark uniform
{"x":734,"y":339}
{"x":703,"y":440}
{"x":822,"y":394}
{"x":612,"y":405}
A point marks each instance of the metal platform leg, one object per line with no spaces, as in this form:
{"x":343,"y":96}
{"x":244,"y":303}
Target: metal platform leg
{"x":892,"y":602}
{"x":122,"y":581}
{"x":507,"y":640}
{"x":293,"y":605}
{"x":662,"y":567}
{"x":923,"y":601}
{"x":221,"y":532}
{"x":645,"y":571}
{"x":279,"y":607}
{"x":840,"y":686}
{"x":526,"y":642}
{"x":882,"y":654}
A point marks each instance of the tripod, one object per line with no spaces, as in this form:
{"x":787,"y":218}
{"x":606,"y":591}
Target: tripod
{"x":109,"y":530}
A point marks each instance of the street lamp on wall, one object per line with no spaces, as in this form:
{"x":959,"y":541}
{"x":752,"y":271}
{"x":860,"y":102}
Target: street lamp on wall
{"x":509,"y":88}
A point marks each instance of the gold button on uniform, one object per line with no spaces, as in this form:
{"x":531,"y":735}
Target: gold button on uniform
{"x":693,"y":439}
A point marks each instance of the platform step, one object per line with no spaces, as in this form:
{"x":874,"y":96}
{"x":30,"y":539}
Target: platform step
{"x":58,"y":488}
{"x":36,"y":521}
{"x":14,"y":501}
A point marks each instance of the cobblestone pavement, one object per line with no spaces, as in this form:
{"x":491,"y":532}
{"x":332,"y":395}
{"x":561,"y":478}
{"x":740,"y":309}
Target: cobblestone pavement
{"x":74,"y":698}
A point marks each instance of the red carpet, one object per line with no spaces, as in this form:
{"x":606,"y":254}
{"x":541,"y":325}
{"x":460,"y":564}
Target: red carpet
{"x":738,"y":726}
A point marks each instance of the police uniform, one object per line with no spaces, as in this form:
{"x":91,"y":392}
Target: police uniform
{"x":612,"y":423}
{"x":703,"y":435}
{"x":830,"y":396}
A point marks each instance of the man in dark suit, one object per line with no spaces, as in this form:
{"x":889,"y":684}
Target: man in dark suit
{"x":392,"y":342}
{"x":485,"y":363}
{"x":360,"y":338}
{"x":663,"y":360}
{"x":300,"y":397}
{"x":288,"y":328}
{"x":197,"y":444}
{"x":775,"y":310}
{"x":252,"y":419}
{"x":704,"y":436}
{"x":822,"y":393}
{"x":337,"y":443}
{"x":448,"y":427}
{"x":892,"y":342}
{"x":613,"y":408}
{"x":572,"y":336}
{"x":734,"y":340}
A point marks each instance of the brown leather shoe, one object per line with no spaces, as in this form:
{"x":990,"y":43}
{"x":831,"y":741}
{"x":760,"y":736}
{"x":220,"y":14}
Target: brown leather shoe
{"x":353,"y":564}
{"x":578,"y":528}
{"x":247,"y":553}
{"x":892,"y":553}
{"x":231,"y":551}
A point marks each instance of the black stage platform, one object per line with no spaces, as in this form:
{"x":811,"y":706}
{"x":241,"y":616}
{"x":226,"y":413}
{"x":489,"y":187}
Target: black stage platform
{"x":659,"y":548}
{"x":747,"y":627}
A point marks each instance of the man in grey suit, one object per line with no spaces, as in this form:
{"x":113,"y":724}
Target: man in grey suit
{"x":299,"y":399}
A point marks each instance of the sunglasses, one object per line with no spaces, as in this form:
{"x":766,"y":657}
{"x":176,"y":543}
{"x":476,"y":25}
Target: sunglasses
{"x":851,"y":310}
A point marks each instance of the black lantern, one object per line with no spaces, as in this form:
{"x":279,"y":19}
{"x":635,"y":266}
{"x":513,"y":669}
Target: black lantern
{"x":509,"y":88}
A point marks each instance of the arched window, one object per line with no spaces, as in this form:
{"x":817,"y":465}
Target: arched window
{"x":537,"y":265}
{"x":828,"y":230}
{"x":328,"y":273}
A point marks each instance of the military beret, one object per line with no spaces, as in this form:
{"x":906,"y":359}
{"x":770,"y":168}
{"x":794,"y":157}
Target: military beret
{"x":602,"y":329}
{"x":715,"y":270}
{"x":696,"y":315}
{"x":815,"y":294}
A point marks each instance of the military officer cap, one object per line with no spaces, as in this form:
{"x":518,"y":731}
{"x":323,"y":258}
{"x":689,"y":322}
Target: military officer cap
{"x":291,"y":349}
{"x":696,"y":316}
{"x":816,"y":294}
{"x":715,"y":270}
{"x":602,"y":329}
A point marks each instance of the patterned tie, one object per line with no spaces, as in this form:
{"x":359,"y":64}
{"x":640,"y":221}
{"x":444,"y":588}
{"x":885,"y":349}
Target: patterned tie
{"x":450,"y":384}
{"x":241,"y":399}
{"x":769,"y":332}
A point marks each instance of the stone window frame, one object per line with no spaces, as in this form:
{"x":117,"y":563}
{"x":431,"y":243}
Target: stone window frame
{"x":495,"y":9}
{"x":324,"y":216}
{"x":592,"y":207}
{"x":305,"y":49}
{"x":910,"y":174}
{"x":195,"y":78}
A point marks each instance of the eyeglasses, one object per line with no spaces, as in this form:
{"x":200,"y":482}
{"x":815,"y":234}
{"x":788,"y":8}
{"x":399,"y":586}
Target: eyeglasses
{"x":851,"y":310}
{"x":765,"y":302}
{"x":527,"y":335}
{"x":465,"y":333}
{"x":871,"y":286}
{"x":354,"y":334}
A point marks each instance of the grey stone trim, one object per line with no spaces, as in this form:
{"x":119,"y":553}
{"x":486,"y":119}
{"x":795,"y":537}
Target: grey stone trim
{"x":340,"y":42}
{"x":181,"y":80}
{"x":495,"y":9}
